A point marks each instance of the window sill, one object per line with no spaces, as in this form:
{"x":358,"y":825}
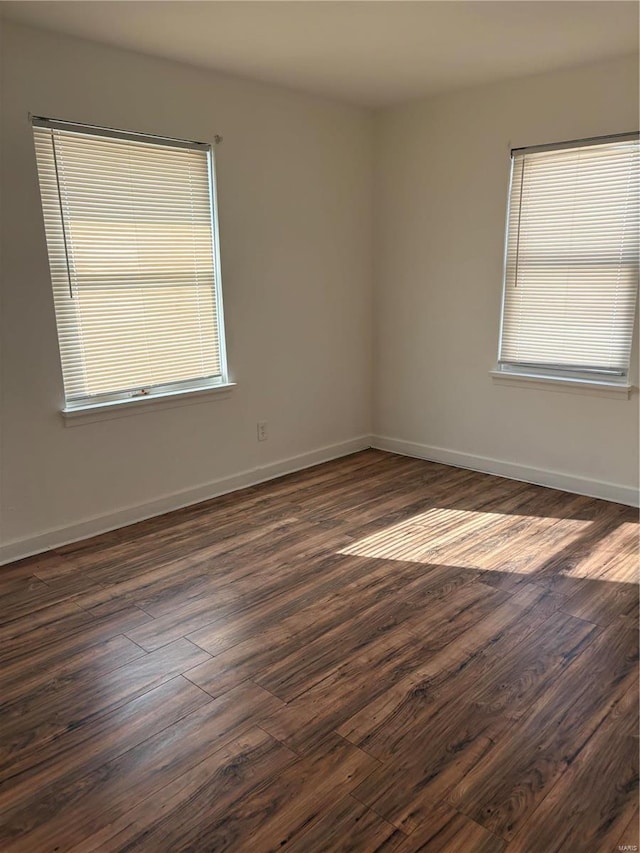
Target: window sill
{"x":138,"y":405}
{"x":562,"y":383}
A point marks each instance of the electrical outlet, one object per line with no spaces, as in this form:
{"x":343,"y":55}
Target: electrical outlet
{"x":262,"y":430}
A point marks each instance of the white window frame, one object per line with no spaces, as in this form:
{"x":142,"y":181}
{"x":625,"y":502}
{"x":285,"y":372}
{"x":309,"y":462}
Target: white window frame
{"x":564,"y":378}
{"x":130,"y":400}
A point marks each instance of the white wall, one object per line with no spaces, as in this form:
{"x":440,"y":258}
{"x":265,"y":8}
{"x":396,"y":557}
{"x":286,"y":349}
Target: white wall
{"x":294,"y":175}
{"x":442,"y":173}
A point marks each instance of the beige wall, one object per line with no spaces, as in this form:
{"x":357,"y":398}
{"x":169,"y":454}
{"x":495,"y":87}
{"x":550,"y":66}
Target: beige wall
{"x":294,"y":183}
{"x":442,"y":172}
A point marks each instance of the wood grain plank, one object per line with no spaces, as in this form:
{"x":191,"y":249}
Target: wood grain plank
{"x":187,"y":805}
{"x":308,"y":719}
{"x":499,"y":630}
{"x":603,"y":602}
{"x":347,"y":826}
{"x":44,"y":566}
{"x":463,"y":714}
{"x":35,"y":720}
{"x":447,"y":831}
{"x":604,"y":773}
{"x":52,"y":669}
{"x":536,"y":752}
{"x":324,"y":586}
{"x":338,"y":612}
{"x":314,"y":659}
{"x":100,"y":798}
{"x":200,"y":814}
{"x":18,"y":583}
{"x":91,"y":743}
{"x":36,"y":596}
{"x":284,"y":593}
{"x":64,"y":624}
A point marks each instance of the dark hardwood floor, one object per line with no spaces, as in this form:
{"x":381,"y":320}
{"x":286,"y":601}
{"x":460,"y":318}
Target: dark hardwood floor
{"x":378,"y":653}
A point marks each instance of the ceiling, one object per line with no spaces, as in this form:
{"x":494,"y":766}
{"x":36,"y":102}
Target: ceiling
{"x":368,"y":52}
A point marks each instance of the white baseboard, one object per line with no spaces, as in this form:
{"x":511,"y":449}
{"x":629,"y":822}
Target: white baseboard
{"x":57,"y":537}
{"x":539,"y":476}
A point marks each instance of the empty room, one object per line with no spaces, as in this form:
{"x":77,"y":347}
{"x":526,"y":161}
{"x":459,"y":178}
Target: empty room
{"x":319,"y":473}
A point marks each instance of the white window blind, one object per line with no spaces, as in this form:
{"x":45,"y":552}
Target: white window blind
{"x":132,"y":248}
{"x":572,"y":259}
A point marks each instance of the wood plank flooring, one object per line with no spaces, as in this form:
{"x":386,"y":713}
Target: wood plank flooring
{"x":378,"y":653}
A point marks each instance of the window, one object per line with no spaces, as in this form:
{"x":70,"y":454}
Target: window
{"x":133,"y":252}
{"x":571,"y":267}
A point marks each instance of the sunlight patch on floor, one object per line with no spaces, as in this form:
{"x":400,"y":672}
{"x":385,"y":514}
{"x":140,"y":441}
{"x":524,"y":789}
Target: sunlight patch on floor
{"x":612,"y":558}
{"x":470,"y":539}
